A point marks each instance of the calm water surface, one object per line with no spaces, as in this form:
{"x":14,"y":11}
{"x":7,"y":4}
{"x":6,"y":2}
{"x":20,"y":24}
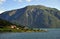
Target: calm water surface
{"x":51,"y":34}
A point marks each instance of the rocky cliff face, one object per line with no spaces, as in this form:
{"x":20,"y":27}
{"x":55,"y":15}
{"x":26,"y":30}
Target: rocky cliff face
{"x":34,"y":16}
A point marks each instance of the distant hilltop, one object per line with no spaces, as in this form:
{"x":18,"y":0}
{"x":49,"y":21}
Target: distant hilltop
{"x":34,"y":16}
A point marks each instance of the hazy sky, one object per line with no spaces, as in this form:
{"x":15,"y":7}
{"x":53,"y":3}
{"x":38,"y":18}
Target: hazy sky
{"x":6,"y":5}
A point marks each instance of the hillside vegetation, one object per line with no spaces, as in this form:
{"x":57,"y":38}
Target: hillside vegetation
{"x":6,"y":26}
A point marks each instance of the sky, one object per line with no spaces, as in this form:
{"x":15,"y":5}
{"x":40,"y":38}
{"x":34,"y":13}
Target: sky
{"x":6,"y":5}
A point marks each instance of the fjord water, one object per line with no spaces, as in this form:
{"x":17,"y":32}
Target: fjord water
{"x":50,"y":34}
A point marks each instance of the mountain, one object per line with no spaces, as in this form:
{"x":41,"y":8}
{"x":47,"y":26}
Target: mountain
{"x":34,"y":16}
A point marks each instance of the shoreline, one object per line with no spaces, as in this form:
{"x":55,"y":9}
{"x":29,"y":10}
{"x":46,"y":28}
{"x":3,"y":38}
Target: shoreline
{"x":21,"y":31}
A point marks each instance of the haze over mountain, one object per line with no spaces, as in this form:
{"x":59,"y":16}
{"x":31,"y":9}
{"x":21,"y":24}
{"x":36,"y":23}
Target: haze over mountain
{"x":36,"y":16}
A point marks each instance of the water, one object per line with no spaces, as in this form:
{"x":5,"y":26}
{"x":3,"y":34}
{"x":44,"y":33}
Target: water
{"x":51,"y":34}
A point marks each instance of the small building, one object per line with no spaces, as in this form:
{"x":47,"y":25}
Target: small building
{"x":13,"y":26}
{"x":17,"y":28}
{"x":25,"y":27}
